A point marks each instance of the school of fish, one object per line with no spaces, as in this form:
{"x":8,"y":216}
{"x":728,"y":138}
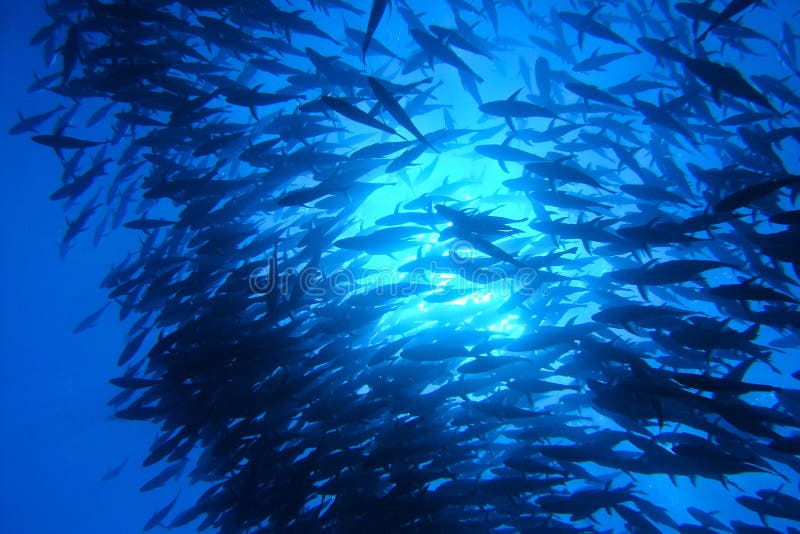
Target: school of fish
{"x":463,"y":266}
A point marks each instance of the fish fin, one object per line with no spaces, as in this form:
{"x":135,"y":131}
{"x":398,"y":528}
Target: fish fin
{"x":715,"y":94}
{"x":659,"y":412}
{"x":643,"y":293}
{"x":752,"y":332}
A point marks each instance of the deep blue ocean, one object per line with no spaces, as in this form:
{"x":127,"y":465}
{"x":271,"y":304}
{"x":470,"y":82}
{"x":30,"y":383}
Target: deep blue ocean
{"x":379,"y":365}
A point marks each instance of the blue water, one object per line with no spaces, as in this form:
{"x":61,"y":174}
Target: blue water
{"x":59,"y":436}
{"x":58,"y":439}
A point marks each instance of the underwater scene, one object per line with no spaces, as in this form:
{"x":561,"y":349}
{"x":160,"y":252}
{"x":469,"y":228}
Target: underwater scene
{"x":394,"y":265}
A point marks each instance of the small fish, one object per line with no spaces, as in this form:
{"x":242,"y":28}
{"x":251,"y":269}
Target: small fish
{"x":114,"y":471}
{"x":90,"y":320}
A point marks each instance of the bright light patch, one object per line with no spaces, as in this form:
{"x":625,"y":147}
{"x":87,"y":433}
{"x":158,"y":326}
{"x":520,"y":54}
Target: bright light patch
{"x":460,"y":302}
{"x":482,"y":298}
{"x":446,"y":262}
{"x":442,"y":279}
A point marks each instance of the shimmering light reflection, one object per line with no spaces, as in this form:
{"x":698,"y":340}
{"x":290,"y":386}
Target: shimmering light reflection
{"x":470,"y":287}
{"x":508,"y":326}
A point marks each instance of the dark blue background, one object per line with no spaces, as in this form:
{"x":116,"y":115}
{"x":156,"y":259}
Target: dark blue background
{"x":57,"y":437}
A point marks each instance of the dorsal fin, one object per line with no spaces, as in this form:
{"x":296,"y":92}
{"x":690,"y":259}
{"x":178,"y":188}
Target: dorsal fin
{"x":513,"y":97}
{"x":752,"y":332}
{"x":739,"y":370}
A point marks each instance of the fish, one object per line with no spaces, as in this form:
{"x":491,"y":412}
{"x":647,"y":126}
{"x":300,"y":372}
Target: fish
{"x":634,"y":313}
{"x":386,"y":99}
{"x":748,"y":291}
{"x":654,"y":193}
{"x":731,"y":9}
{"x":171,"y":471}
{"x":90,"y":320}
{"x":29,"y":124}
{"x":513,"y":108}
{"x":542,"y":74}
{"x":454,"y":37}
{"x":722,"y":78}
{"x":752,"y":193}
{"x":59,"y":142}
{"x":253,"y":98}
{"x":384,"y":240}
{"x":376,"y":13}
{"x":351,"y":112}
{"x":158,"y":517}
{"x":76,"y":226}
{"x":434,"y":47}
{"x":559,"y":171}
{"x":590,"y":92}
{"x":114,"y":472}
{"x":597,"y":62}
{"x":585,"y":23}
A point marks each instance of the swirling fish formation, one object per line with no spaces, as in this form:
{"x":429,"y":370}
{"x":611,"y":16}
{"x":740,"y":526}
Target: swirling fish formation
{"x":377,"y":287}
